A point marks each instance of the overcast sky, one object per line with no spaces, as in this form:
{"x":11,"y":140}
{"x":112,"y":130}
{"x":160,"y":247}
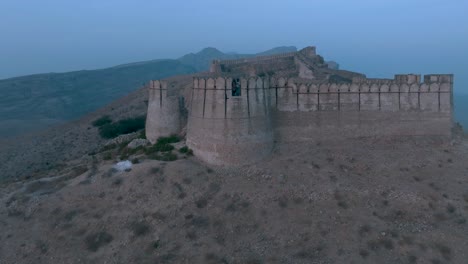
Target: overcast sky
{"x":376,"y":37}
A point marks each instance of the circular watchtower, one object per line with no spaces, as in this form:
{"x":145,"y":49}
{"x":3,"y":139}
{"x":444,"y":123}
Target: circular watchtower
{"x":229,"y":121}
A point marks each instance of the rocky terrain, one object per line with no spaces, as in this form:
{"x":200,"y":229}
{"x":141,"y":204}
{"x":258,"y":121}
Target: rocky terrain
{"x":366,"y":201}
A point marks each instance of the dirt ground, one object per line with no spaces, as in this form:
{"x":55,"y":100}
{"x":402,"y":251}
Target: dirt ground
{"x":367,"y":201}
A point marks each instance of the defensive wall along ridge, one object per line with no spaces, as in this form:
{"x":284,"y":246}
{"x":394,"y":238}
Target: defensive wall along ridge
{"x":227,"y":127}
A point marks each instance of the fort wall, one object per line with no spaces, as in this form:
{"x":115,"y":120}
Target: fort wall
{"x":163,"y":117}
{"x":227,"y":129}
{"x":368,"y":108}
{"x":241,"y":125}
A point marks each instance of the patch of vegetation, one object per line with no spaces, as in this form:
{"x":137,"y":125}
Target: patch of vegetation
{"x":42,"y":246}
{"x":283,"y":201}
{"x":192,"y":235}
{"x":44,"y":186}
{"x":364,"y":230}
{"x":168,"y":140}
{"x":451,"y":209}
{"x":156,"y":244}
{"x":412,"y":259}
{"x":71,"y":214}
{"x":168,"y":156}
{"x":200,"y":222}
{"x":126,"y":152}
{"x":142,"y":134}
{"x":179,"y":191}
{"x":155,"y":170}
{"x":96,"y":240}
{"x":186,"y":150}
{"x":158,"y":148}
{"x":108,"y":147}
{"x":363,"y":253}
{"x":102,"y":121}
{"x":118,"y":181}
{"x":445,"y":251}
{"x":465,"y":197}
{"x":162,"y":145}
{"x":107,"y":156}
{"x":375,"y":245}
{"x":139,"y":228}
{"x":201,"y":203}
{"x":212,"y":258}
{"x":121,"y":127}
{"x":159,"y":216}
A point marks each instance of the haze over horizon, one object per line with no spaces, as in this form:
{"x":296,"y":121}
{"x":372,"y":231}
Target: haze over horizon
{"x":378,"y":38}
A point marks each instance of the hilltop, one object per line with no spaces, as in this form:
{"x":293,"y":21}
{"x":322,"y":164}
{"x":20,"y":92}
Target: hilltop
{"x":375,"y":200}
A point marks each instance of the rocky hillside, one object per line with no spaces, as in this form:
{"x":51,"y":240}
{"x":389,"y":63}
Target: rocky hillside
{"x":367,"y":201}
{"x":33,"y":102}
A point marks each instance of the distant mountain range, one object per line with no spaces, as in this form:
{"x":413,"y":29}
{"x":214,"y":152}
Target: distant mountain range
{"x":33,"y":102}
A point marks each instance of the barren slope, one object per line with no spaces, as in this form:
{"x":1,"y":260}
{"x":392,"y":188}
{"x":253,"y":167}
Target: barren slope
{"x":372,"y":201}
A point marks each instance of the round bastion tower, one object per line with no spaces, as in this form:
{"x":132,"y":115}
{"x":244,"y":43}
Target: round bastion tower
{"x":163,"y":117}
{"x":229,"y":121}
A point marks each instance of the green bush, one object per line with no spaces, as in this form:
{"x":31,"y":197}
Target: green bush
{"x":142,"y":134}
{"x":167,"y":156}
{"x":102,"y":121}
{"x":168,"y":140}
{"x":186,"y":150}
{"x":162,"y":145}
{"x":107,"y":156}
{"x":158,"y":148}
{"x":125,"y":126}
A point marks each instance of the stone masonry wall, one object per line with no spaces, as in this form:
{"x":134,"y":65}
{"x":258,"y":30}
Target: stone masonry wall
{"x":227,"y":129}
{"x":163,"y":117}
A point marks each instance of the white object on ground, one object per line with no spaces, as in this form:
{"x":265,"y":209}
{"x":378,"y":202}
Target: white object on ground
{"x":123,"y":165}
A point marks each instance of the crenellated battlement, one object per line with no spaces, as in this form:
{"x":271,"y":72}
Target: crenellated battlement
{"x":288,"y":94}
{"x":237,"y":114}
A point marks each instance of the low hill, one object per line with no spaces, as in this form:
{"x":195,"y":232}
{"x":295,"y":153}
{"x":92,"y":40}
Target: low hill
{"x":37,"y":101}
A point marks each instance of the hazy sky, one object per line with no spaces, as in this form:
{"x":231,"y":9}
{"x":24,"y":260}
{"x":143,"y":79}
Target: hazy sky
{"x":376,"y":37}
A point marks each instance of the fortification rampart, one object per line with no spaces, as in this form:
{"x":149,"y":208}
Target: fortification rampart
{"x":226,"y":127}
{"x":234,"y":119}
{"x":211,"y":96}
{"x":163,"y":117}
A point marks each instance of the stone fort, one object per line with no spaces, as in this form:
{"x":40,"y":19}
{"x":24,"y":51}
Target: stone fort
{"x":240,"y":110}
